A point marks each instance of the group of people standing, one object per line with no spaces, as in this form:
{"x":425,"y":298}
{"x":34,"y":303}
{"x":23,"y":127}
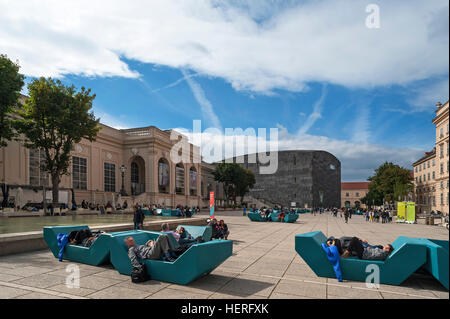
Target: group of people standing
{"x":375,"y":216}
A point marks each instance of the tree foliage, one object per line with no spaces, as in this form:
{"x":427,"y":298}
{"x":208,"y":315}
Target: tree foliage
{"x":53,"y":119}
{"x":236,"y":180}
{"x":390,"y":182}
{"x":11,"y":83}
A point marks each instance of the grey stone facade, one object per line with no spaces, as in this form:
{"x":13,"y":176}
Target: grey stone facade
{"x":302,"y":177}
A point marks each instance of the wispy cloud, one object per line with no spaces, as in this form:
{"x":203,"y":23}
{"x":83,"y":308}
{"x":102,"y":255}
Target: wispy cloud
{"x":173,"y":84}
{"x":206,"y":107}
{"x":255,"y":46}
{"x":316,"y":114}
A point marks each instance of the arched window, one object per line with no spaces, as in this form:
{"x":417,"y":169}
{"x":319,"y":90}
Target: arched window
{"x":179,"y":179}
{"x":193,"y":181}
{"x":134,"y":172}
{"x":163,"y":176}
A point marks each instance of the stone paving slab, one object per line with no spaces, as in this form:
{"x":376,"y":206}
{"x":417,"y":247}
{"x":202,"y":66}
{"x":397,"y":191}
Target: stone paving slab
{"x":264,"y":264}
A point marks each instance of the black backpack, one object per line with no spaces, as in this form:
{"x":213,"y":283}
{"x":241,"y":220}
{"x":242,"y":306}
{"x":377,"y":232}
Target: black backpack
{"x":139,"y":274}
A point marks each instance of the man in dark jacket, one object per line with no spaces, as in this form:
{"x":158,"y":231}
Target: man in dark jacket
{"x":138,"y":217}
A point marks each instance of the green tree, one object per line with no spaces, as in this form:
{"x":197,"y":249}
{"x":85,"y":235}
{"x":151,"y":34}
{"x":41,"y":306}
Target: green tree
{"x":53,"y":119}
{"x":227,"y":174}
{"x":236,"y":180}
{"x":245,"y":183}
{"x":390,"y":182}
{"x":11,"y":83}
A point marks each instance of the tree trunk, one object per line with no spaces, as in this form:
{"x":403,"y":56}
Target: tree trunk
{"x":55,"y":189}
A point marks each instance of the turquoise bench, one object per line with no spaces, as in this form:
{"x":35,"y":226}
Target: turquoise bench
{"x":198,"y":260}
{"x":169,"y":212}
{"x":95,"y":255}
{"x":195,"y":231}
{"x":274,"y":216}
{"x":255,"y":217}
{"x":408,"y":256}
{"x":437,"y":259}
{"x":290,"y":218}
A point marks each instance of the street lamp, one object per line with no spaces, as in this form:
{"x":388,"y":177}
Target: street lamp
{"x":123,"y":169}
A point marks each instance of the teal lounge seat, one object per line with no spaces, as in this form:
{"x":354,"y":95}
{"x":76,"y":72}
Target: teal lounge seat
{"x":96,"y":254}
{"x":409,"y":255}
{"x":274,"y":216}
{"x":195,"y":231}
{"x":437,"y":259}
{"x":290,"y":218}
{"x":169,"y":212}
{"x":198,"y":260}
{"x":255,"y":217}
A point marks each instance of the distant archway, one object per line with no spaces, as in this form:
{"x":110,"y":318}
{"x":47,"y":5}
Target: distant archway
{"x":137,"y":175}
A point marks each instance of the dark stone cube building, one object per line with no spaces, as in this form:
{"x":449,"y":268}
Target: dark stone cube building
{"x":303,"y":179}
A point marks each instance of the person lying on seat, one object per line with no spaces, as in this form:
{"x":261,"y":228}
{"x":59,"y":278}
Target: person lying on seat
{"x":162,"y":248}
{"x":83,"y":237}
{"x":353,"y":246}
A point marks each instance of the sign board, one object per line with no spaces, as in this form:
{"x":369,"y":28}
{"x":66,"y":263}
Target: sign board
{"x":401,"y":212}
{"x":411,"y":212}
{"x":293,"y":204}
{"x":211,"y":205}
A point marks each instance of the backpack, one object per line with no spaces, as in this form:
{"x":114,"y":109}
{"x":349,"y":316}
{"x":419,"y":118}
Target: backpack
{"x":139,"y":274}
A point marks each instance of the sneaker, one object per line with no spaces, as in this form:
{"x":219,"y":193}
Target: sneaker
{"x":169,"y":259}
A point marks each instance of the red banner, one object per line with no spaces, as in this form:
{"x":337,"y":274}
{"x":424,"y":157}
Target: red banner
{"x":211,"y":205}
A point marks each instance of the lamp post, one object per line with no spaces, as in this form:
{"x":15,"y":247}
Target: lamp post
{"x":123,"y":169}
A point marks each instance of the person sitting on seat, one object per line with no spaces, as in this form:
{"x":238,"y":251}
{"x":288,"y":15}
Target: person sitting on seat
{"x":223,"y":229}
{"x":185,"y":238}
{"x":216,"y":233}
{"x":165,"y":229}
{"x":162,"y":248}
{"x":267,"y":214}
{"x":281,"y":216}
{"x":353,"y":246}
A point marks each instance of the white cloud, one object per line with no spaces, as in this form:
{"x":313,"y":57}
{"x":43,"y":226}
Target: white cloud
{"x":358,"y":160}
{"x":254,"y":46}
{"x":425,"y":97}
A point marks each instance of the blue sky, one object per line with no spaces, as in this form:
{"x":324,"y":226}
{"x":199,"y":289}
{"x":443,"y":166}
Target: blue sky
{"x":311,"y":68}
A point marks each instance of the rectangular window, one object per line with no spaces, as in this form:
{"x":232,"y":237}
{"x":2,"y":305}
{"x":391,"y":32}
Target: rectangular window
{"x":347,"y":194}
{"x":432,"y":162}
{"x":79,"y":172}
{"x":357,"y":194}
{"x":428,"y":164}
{"x":428,"y":176}
{"x":38,"y":177}
{"x":110,"y":177}
{"x":442,"y":168}
{"x":434,"y":175}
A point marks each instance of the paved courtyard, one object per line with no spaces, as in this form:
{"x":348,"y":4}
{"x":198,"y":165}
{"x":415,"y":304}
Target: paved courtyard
{"x":264,"y":265}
